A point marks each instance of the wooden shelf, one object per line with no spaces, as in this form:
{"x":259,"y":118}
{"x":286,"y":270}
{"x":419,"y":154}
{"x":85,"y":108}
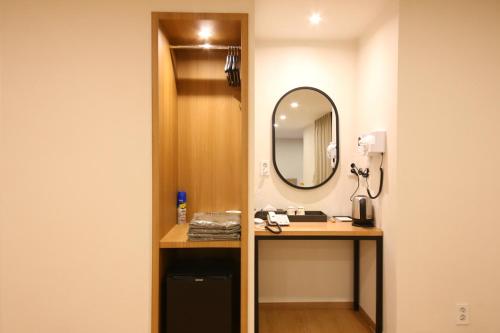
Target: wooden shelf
{"x":320,"y":229}
{"x":177,"y":238}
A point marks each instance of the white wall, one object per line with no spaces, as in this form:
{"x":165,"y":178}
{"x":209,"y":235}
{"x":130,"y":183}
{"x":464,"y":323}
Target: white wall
{"x":448,"y":125}
{"x":376,"y":97}
{"x":330,"y":67}
{"x":283,"y":267}
{"x":75,"y":165}
{"x":75,"y":169}
{"x":366,"y":101}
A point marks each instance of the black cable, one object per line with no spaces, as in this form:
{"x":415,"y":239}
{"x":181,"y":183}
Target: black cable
{"x":380,"y":184}
{"x":356,"y":190}
{"x":270,"y":225}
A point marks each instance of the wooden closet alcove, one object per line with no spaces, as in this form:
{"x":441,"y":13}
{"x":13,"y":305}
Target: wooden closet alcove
{"x":200,"y":141}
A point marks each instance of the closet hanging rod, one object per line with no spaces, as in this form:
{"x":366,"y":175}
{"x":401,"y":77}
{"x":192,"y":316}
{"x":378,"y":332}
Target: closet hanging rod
{"x":206,"y":47}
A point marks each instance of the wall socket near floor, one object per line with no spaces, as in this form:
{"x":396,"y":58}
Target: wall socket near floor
{"x":265,"y":168}
{"x":462,"y":314}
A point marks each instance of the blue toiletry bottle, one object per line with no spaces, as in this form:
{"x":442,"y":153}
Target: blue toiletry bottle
{"x":181,"y":207}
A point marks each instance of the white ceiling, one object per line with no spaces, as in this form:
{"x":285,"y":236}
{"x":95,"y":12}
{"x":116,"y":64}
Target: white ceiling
{"x":341,"y":19}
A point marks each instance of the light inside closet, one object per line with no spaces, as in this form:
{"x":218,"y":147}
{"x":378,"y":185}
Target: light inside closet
{"x":200,"y":139}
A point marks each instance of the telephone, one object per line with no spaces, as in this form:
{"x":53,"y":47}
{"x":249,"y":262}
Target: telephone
{"x":280,"y":219}
{"x":276,"y":221}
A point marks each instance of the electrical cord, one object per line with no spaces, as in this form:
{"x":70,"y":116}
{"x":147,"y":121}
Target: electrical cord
{"x":270,"y":225}
{"x":380,"y":184}
{"x":356,"y":190}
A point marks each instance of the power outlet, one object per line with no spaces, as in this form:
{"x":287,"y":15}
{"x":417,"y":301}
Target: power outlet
{"x":265,"y":168}
{"x":462,"y":314}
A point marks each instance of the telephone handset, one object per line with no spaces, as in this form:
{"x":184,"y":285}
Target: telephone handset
{"x":276,"y":221}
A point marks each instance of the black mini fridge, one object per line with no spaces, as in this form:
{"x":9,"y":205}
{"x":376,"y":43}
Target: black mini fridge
{"x":200,"y":300}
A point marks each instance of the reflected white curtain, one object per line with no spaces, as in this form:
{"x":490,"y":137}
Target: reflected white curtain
{"x":322,"y":138}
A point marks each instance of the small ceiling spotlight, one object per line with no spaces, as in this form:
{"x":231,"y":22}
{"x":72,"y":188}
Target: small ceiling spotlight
{"x":294,"y":105}
{"x":282,"y":117}
{"x":276,"y":125}
{"x":315,"y":18}
{"x":205,"y":33}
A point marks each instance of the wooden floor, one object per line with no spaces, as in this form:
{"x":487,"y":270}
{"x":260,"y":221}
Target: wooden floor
{"x":310,"y":318}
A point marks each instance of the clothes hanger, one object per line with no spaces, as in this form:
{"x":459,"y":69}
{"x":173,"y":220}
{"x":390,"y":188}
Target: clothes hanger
{"x":233,"y":68}
{"x":227,"y":66}
{"x":237,"y":69}
{"x":233,"y":74}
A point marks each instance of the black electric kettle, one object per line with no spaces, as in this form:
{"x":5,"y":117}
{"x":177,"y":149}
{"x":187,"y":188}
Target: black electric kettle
{"x":362,"y":212}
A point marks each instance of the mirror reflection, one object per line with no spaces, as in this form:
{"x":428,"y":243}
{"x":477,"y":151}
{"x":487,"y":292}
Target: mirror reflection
{"x":305,"y":133}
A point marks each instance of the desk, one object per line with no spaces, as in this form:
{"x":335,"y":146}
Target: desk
{"x":329,"y":231}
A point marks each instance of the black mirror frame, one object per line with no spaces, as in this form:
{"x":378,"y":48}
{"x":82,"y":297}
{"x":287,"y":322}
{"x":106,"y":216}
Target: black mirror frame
{"x":336,"y":138}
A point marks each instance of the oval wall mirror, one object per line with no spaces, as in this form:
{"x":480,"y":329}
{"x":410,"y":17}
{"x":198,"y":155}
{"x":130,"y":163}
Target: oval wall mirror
{"x":305,"y":127}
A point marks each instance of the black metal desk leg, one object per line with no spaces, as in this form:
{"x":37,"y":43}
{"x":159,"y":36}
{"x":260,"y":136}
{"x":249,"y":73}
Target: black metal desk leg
{"x":256,"y":285}
{"x":380,"y":285}
{"x":355,"y":297}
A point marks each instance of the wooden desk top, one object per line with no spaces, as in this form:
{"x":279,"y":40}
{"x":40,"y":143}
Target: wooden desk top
{"x":177,"y":238}
{"x":320,"y":229}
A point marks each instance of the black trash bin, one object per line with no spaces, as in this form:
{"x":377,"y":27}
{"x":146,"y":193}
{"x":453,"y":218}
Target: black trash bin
{"x":200,"y":300}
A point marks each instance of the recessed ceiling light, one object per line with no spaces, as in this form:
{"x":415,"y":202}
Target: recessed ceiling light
{"x":315,"y":18}
{"x":276,"y":125}
{"x":282,"y":117}
{"x":206,"y":46}
{"x":294,"y":105}
{"x":205,"y":32}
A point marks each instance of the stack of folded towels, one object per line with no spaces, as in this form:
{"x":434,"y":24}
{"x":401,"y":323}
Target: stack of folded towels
{"x":214,"y":227}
